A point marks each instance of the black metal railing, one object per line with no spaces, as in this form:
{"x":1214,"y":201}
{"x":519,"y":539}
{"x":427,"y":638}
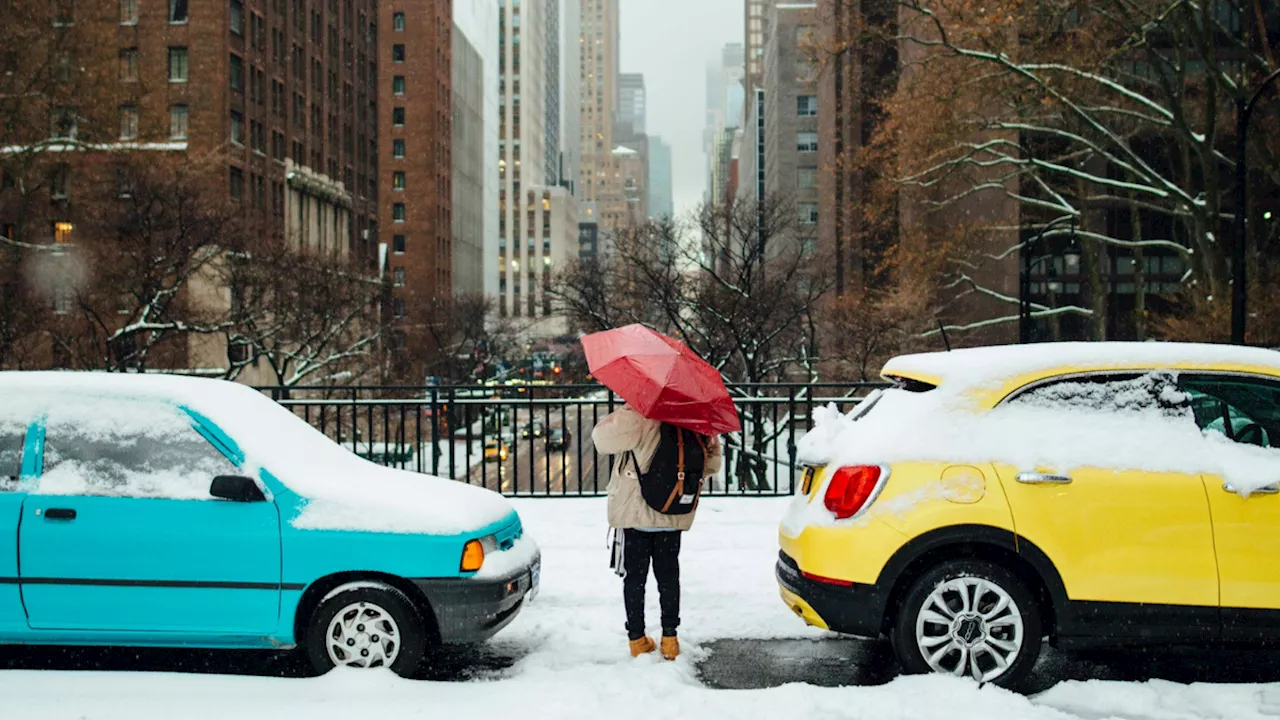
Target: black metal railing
{"x":535,"y":440}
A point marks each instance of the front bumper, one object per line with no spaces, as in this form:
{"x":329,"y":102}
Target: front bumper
{"x":853,"y":610}
{"x":472,"y":610}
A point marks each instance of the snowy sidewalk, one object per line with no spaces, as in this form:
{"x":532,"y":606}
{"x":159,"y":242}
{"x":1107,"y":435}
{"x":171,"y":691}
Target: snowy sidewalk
{"x":575,"y":665}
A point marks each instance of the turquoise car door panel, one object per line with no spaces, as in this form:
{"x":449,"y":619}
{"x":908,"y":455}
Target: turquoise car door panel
{"x":121,"y":533}
{"x":12,"y":438}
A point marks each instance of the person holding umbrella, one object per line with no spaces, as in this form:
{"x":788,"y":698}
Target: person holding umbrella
{"x":664,"y":443}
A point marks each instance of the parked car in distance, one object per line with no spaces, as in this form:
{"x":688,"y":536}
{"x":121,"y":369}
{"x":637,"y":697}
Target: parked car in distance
{"x":151,"y":510}
{"x":558,"y":439}
{"x":1097,"y":494}
{"x":495,"y":450}
{"x":535,"y":429}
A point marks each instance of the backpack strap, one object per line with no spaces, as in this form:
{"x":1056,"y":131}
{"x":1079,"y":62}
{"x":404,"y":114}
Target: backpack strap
{"x":678,"y":488}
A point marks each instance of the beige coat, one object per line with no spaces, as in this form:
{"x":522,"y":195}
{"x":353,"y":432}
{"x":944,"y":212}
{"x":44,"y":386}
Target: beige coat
{"x":627,"y":430}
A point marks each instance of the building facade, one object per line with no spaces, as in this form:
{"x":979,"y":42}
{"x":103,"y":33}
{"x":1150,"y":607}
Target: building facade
{"x":631,"y":104}
{"x":791,"y":108}
{"x":571,"y":96}
{"x":660,"y":193}
{"x":724,"y":110}
{"x":598,"y":46}
{"x":414,"y":104}
{"x":477,"y":23}
{"x":469,"y":170}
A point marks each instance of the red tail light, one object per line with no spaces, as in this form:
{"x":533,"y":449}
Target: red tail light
{"x":850,"y":489}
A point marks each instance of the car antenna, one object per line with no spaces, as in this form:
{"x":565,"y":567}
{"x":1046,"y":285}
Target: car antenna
{"x":942,"y":329}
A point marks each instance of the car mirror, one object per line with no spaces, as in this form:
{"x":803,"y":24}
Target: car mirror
{"x":236,"y":488}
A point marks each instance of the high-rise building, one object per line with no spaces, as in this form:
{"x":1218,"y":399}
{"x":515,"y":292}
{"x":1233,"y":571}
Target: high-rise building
{"x":551,"y":80}
{"x":414,"y":100}
{"x":631,"y":104}
{"x":469,"y":170}
{"x":791,"y":106}
{"x":599,"y":45}
{"x":724,"y":110}
{"x":477,"y":22}
{"x":660,"y":195}
{"x":571,"y":96}
{"x":755,"y":36}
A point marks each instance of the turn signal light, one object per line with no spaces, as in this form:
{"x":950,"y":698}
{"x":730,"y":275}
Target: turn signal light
{"x":850,"y":489}
{"x":472,"y":556}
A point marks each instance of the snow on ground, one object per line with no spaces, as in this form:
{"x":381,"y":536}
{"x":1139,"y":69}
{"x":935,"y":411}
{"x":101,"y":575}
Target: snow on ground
{"x":577,"y":665}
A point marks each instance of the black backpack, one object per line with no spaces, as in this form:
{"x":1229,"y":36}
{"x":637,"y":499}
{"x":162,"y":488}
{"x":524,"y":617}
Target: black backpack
{"x":674,"y":479}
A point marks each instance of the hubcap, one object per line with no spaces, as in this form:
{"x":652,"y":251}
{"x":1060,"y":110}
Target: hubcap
{"x":363,"y":635}
{"x":969,"y":627}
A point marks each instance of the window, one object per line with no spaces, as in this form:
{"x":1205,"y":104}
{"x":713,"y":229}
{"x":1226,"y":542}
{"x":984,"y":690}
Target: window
{"x":64,"y":12}
{"x":807,"y":178}
{"x":397,"y":22}
{"x":63,"y":124}
{"x":237,"y":127}
{"x":178,"y":122}
{"x":129,"y":65}
{"x":99,"y":447}
{"x":397,"y":85}
{"x":397,"y":212}
{"x":1246,"y":410}
{"x":397,"y":180}
{"x":237,"y":183}
{"x":12,"y":437}
{"x":62,"y":299}
{"x":397,"y":53}
{"x":177,"y":11}
{"x":808,"y":246}
{"x":397,"y":244}
{"x":807,"y":142}
{"x":237,"y":17}
{"x":397,"y":148}
{"x":807,"y":105}
{"x":808,"y":212}
{"x":237,"y":73}
{"x":398,"y":277}
{"x":128,"y":12}
{"x":177,"y":64}
{"x":58,"y":180}
{"x":397,"y":116}
{"x":128,"y":122}
{"x":397,"y":307}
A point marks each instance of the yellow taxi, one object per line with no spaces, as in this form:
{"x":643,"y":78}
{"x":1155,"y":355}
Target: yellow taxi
{"x":495,"y":450}
{"x":1090,"y":494}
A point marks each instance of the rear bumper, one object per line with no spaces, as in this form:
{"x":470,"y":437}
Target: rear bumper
{"x":855,"y":609}
{"x":470,"y":610}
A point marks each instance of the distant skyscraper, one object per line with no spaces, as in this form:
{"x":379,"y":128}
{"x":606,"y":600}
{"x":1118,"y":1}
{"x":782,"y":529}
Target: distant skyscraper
{"x":552,"y":105}
{"x":725,"y":97}
{"x":660,"y":197}
{"x":474,"y":245}
{"x":755,"y":37}
{"x":599,"y":44}
{"x":571,"y":95}
{"x":631,"y":104}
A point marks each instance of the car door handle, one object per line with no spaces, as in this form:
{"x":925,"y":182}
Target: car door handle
{"x":60,"y":514}
{"x":1271,"y":489}
{"x":1035,"y":478}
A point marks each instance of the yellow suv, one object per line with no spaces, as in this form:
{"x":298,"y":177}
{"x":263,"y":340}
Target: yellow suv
{"x":1095,"y":494}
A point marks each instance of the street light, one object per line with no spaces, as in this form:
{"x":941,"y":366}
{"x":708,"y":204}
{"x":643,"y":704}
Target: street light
{"x":1244,"y":110}
{"x":1028,"y":259}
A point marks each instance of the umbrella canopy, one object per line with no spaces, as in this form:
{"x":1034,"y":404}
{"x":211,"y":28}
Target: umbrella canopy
{"x":662,"y":379}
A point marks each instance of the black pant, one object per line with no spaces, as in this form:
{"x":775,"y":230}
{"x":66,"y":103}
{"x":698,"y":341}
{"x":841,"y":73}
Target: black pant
{"x":663,"y":548}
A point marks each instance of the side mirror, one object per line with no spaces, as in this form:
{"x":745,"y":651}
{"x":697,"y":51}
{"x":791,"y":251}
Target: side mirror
{"x":236,"y":488}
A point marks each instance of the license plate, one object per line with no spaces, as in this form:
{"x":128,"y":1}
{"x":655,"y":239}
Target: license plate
{"x":534,"y":578}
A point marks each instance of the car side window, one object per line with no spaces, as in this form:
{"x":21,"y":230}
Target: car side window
{"x":127,"y":448}
{"x":1244,"y":409}
{"x":1149,"y":392}
{"x":12,"y":436}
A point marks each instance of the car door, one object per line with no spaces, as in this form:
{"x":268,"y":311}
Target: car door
{"x":1134,"y":548}
{"x":1245,"y":409}
{"x":13,"y":432}
{"x":121,"y":533}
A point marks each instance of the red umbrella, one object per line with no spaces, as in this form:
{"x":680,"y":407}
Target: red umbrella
{"x":662,"y":379}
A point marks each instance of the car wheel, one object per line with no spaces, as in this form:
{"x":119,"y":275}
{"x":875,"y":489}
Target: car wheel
{"x":366,"y":625}
{"x":969,"y":618}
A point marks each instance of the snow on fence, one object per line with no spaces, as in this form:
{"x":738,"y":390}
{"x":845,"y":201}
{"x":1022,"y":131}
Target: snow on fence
{"x":535,"y":440}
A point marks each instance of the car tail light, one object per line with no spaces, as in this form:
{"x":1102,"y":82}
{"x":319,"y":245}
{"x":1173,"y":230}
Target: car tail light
{"x":850,"y":489}
{"x":472,"y":556}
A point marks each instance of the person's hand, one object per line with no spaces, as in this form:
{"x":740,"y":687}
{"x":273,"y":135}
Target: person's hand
{"x":714,"y":445}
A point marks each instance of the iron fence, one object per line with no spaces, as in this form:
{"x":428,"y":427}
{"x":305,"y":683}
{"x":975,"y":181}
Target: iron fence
{"x":534,"y":441}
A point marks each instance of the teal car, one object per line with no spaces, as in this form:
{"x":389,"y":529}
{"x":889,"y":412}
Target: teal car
{"x":143,"y":510}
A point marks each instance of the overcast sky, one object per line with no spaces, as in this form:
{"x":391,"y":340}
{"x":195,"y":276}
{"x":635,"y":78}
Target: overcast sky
{"x":670,"y":42}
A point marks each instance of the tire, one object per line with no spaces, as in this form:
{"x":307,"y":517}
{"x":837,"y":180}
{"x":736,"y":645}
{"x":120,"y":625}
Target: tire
{"x":993,"y":636}
{"x":353,"y":616}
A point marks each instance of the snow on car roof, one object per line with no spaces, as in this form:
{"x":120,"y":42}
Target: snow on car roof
{"x":343,"y":491}
{"x":975,"y":367}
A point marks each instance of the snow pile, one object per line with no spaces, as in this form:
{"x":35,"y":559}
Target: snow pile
{"x":1130,"y":433}
{"x":341,"y":490}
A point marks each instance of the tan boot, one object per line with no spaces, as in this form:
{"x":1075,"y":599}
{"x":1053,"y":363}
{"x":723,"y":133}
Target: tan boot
{"x":642,"y":646}
{"x":670,"y":647}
